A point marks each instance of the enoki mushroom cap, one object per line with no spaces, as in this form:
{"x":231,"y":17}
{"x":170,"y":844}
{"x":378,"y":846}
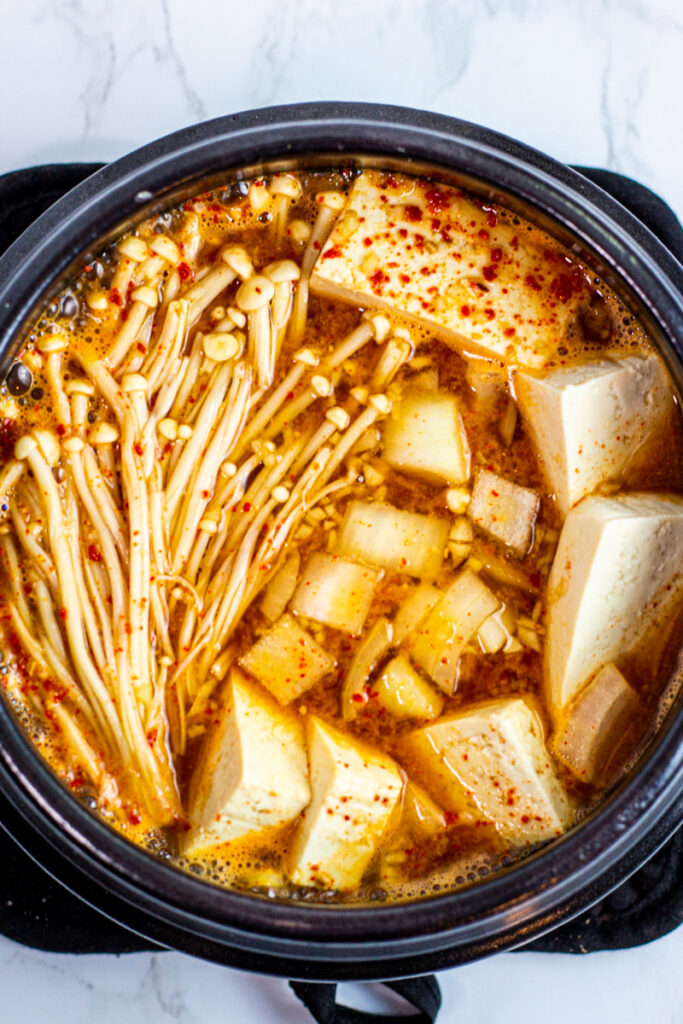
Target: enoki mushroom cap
{"x":48,"y":444}
{"x":332,"y":200}
{"x":52,"y":343}
{"x":24,"y":446}
{"x":104,"y":433}
{"x":238,"y":260}
{"x":133,"y":248}
{"x":254,"y":293}
{"x":133,"y":382}
{"x":221,"y":346}
{"x":146,"y":295}
{"x":282,"y":270}
{"x":164,"y":246}
{"x":79,"y":386}
{"x":285,"y":185}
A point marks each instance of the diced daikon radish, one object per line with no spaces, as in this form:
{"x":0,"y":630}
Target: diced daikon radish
{"x":504,"y":510}
{"x":355,"y":791}
{"x":391,"y":538}
{"x":438,"y":642}
{"x":252,"y":773}
{"x":287,"y":660}
{"x":424,"y":436}
{"x":370,"y":651}
{"x":413,"y":610}
{"x":491,"y":761}
{"x":405,"y":694}
{"x":597,"y":726}
{"x":335,"y":591}
{"x":280,"y":589}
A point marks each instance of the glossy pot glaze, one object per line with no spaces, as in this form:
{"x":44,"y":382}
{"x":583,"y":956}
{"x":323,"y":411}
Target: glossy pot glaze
{"x":178,"y":909}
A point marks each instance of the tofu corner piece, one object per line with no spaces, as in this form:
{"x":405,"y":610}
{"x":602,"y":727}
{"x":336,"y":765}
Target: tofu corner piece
{"x":618,"y":570}
{"x":287,"y":660}
{"x":354,"y":793}
{"x":504,"y":510}
{"x":587,"y":422}
{"x":441,"y":260}
{"x":252,"y":774}
{"x":491,"y":761}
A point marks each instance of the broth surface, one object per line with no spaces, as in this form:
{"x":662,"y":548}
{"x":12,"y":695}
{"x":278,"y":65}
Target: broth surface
{"x":136,"y":579}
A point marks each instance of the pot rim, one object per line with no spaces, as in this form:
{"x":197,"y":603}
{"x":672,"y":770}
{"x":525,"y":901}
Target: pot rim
{"x":573,"y":870}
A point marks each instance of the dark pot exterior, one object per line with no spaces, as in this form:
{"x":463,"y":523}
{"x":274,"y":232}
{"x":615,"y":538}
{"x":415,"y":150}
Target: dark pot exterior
{"x":180,"y":910}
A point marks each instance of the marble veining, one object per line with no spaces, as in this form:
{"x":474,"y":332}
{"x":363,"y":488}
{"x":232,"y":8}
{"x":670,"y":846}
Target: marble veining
{"x":589,"y":81}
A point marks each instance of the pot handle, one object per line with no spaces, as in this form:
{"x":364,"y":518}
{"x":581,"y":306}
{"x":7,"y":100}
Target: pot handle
{"x":320,"y":999}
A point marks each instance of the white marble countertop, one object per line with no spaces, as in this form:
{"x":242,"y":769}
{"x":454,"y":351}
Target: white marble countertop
{"x":589,"y":81}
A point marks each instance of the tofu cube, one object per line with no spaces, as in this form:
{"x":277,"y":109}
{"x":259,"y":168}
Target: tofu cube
{"x":252,"y":774}
{"x":617,"y":572}
{"x":504,"y":510}
{"x":335,"y":591}
{"x":588,"y":422}
{"x":391,"y":538}
{"x":444,"y":261}
{"x":355,"y":791}
{"x":424,"y":436}
{"x":421,"y":816}
{"x":405,"y":694}
{"x":491,"y":761}
{"x":598,"y":727}
{"x":287,"y":660}
{"x":439,"y":640}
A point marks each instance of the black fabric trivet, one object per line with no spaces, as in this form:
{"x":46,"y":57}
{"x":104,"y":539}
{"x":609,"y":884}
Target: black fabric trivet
{"x":37,"y":911}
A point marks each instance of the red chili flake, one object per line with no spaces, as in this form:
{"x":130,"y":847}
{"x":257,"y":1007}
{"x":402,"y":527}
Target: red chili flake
{"x":492,"y":218}
{"x":403,"y":233}
{"x":246,"y":507}
{"x":61,"y":429}
{"x":94,"y":553}
{"x":509,"y":332}
{"x":414,"y":213}
{"x":483,"y":234}
{"x":437,"y":200}
{"x":332,"y":253}
{"x":63,"y":612}
{"x":496,"y":255}
{"x":465,"y":310}
{"x":489,"y":313}
{"x":490,"y":273}
{"x":531,"y":282}
{"x":184,"y":271}
{"x":565,"y":286}
{"x":134,"y":817}
{"x":138,"y":448}
{"x":152,"y":735}
{"x":116,"y":297}
{"x":377,"y":279}
{"x":405,"y":278}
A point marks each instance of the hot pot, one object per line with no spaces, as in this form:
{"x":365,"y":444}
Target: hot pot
{"x":325,"y":942}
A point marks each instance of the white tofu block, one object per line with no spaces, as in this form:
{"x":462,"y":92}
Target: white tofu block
{"x":491,"y":761}
{"x":252,"y":774}
{"x":598,"y":726}
{"x":355,"y":790}
{"x":437,"y":643}
{"x":446,"y":262}
{"x":393,"y":539}
{"x":424,"y":436}
{"x":504,"y":510}
{"x":335,"y":591}
{"x":587,"y":422}
{"x":618,"y":570}
{"x":287,"y":660}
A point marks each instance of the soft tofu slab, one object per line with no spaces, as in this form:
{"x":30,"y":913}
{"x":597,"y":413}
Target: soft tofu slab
{"x":424,"y":436}
{"x":253,"y":773}
{"x":335,"y":591}
{"x":355,"y":791}
{"x":394,"y":539}
{"x":587,"y":422}
{"x":287,"y":660}
{"x":504,"y":510}
{"x":492,"y":759}
{"x":442,"y":260}
{"x":618,"y":569}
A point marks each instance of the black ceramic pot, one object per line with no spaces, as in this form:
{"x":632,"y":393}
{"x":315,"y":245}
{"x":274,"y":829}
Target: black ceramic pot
{"x":177,"y":909}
